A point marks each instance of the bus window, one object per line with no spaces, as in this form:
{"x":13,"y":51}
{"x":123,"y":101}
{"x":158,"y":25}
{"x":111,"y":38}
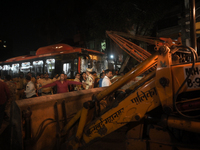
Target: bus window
{"x":15,"y":70}
{"x":84,"y":64}
{"x":6,"y":69}
{"x":93,"y":57}
{"x":25,"y":67}
{"x":50,"y":66}
{"x":67,"y":69}
{"x":37,"y":67}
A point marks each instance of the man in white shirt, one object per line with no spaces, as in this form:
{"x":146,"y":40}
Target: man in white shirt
{"x":30,"y":88}
{"x":106,"y":79}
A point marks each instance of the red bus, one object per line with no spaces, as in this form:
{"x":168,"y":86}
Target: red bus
{"x":55,"y":59}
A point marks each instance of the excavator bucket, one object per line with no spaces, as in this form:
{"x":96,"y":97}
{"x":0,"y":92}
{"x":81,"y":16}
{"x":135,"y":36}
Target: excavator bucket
{"x":36,"y":123}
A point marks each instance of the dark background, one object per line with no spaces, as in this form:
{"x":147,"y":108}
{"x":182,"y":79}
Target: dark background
{"x":28,"y":25}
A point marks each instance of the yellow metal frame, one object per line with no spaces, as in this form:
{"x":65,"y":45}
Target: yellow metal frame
{"x":184,"y":124}
{"x":132,"y":108}
{"x":163,"y":74}
{"x":72,"y":121}
{"x":154,"y":92}
{"x":131,"y":112}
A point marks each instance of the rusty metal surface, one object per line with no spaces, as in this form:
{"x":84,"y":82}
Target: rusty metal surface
{"x":43,"y":108}
{"x":113,"y":141}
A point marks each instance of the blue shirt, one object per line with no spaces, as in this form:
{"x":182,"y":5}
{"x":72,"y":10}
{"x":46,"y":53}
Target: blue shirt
{"x":100,"y":82}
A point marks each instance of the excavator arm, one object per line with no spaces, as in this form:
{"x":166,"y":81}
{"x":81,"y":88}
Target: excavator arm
{"x":117,"y":116}
{"x":130,"y":48}
{"x":135,"y":51}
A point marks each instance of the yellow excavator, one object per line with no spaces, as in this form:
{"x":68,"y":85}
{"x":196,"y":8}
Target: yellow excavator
{"x":162,"y":109}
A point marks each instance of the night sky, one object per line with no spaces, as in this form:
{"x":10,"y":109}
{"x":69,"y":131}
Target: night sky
{"x":27,"y":24}
{"x":17,"y":24}
{"x":21,"y":22}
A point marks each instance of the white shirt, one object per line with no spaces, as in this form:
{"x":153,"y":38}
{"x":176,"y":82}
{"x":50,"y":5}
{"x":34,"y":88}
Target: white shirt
{"x":30,"y":89}
{"x":106,"y":82}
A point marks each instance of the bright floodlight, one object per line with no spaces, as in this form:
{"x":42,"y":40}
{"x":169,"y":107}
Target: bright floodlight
{"x":111,"y":56}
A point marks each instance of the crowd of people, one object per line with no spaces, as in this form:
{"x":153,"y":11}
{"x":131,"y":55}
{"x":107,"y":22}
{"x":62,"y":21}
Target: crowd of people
{"x":12,"y":89}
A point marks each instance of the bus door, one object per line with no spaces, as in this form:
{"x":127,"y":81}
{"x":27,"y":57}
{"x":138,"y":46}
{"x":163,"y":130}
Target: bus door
{"x":67,"y":69}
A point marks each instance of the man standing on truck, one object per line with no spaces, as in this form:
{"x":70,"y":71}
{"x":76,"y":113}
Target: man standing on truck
{"x":62,"y":84}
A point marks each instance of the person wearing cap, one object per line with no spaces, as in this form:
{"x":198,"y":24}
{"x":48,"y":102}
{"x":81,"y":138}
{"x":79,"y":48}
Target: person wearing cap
{"x":90,"y":79}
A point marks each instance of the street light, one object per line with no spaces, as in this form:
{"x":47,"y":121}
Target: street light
{"x":111,"y":56}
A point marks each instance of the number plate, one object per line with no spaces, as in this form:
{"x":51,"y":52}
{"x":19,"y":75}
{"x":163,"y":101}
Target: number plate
{"x":194,"y":79}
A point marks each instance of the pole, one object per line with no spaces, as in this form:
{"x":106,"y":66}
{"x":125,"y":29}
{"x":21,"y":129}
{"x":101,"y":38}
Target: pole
{"x":193,"y":25}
